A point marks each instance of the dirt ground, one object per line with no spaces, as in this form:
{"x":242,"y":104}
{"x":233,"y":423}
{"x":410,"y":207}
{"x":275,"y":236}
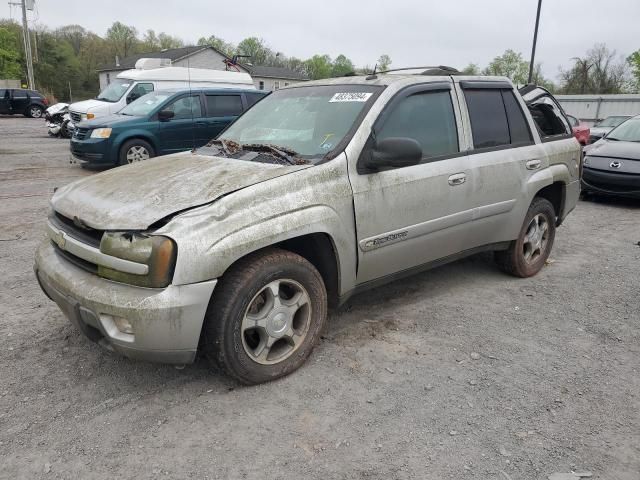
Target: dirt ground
{"x":461,"y":372}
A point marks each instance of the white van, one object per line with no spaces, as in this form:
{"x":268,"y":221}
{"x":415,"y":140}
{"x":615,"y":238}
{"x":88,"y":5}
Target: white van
{"x":132,"y":84}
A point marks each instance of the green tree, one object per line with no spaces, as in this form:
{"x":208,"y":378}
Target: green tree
{"x":341,"y":66}
{"x":167,"y":41}
{"x":509,"y":64}
{"x":471,"y":69}
{"x":123,"y":39}
{"x":384,"y":62}
{"x":256,"y":49}
{"x":318,"y":66}
{"x":219,"y":44}
{"x":10,"y":67}
{"x":150,"y":42}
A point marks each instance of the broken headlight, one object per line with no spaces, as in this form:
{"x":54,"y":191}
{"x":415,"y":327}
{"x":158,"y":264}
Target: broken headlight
{"x":157,"y":252}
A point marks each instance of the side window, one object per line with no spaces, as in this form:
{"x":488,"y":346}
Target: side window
{"x":261,"y":85}
{"x":548,"y":117}
{"x":141,"y":89}
{"x":19,"y":93}
{"x":252,"y":98}
{"x":224,"y":105}
{"x":186,"y":108}
{"x":426,"y":117}
{"x":488,"y":117}
{"x":3,"y":93}
{"x":518,"y":127}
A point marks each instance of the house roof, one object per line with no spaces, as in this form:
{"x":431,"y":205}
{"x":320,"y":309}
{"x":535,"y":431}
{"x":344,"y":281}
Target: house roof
{"x":275,"y":72}
{"x":174,"y":54}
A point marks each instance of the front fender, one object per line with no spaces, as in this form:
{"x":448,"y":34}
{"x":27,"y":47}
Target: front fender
{"x":134,"y":133}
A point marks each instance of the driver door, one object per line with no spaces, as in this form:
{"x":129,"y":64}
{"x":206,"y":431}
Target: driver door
{"x":186,"y":129}
{"x":413,"y":215}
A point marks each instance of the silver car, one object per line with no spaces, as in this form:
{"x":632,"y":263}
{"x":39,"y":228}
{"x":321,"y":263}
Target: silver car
{"x":319,"y":191}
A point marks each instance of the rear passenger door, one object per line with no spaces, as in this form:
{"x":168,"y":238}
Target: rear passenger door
{"x":502,"y":156}
{"x":222,"y":109}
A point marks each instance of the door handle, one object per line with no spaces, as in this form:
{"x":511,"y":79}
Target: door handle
{"x":533,"y":164}
{"x":457,"y":179}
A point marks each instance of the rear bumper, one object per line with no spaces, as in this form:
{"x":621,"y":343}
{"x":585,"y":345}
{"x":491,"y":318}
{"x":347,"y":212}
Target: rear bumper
{"x":608,"y":183}
{"x":166,"y":322}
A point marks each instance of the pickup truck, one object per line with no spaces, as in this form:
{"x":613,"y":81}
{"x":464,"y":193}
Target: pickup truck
{"x":318,"y":192}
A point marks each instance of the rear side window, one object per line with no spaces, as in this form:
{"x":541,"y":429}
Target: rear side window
{"x":253,"y":98}
{"x":224,"y":105}
{"x":19,"y":93}
{"x":548,"y":118}
{"x":426,"y":117}
{"x":518,"y":126}
{"x":488,"y":118}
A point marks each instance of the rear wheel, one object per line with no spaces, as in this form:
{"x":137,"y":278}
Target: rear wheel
{"x":35,"y":111}
{"x":265,"y":316}
{"x":135,"y":150}
{"x":528,"y":253}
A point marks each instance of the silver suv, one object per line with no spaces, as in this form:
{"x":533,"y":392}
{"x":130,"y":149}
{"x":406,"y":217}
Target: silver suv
{"x":319,"y":191}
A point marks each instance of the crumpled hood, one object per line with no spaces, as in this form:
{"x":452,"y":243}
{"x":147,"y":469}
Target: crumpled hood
{"x":133,"y":197}
{"x":97,"y":107}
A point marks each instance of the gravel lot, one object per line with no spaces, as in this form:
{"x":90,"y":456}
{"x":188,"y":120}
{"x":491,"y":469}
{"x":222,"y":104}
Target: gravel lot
{"x":458,"y":373}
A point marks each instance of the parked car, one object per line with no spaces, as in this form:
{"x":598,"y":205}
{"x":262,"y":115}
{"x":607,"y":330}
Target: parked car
{"x":612,"y":165}
{"x":603,"y":127}
{"x":321,"y":190}
{"x":159,"y":123}
{"x":145,"y":78}
{"x":580,"y":130}
{"x":29,"y":103}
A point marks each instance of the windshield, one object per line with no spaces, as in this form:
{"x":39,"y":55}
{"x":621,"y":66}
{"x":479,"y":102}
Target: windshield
{"x":611,"y":121}
{"x":310,"y":121}
{"x":115,"y":90}
{"x":145,"y":104}
{"x":629,"y":131}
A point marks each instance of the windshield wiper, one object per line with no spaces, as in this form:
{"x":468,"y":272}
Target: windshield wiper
{"x":281,"y":152}
{"x":613,"y":138}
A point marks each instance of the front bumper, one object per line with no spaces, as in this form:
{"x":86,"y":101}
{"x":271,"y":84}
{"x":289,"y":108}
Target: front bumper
{"x":96,"y":151}
{"x":166,"y":322}
{"x":609,"y":183}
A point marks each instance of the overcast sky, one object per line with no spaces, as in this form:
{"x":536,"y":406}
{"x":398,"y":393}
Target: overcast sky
{"x":412,"y":32}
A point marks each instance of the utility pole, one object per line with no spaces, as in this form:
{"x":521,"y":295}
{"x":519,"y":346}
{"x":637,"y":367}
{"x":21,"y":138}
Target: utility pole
{"x":535,"y":40}
{"x":26,"y":38}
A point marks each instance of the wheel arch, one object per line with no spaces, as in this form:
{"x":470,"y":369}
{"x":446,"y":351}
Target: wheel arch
{"x":135,"y":135}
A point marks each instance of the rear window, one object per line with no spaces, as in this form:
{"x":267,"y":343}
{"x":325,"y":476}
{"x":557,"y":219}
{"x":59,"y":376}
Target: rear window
{"x":224,"y":105}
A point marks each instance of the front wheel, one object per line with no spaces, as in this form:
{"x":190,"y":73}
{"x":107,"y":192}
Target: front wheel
{"x":136,"y":150}
{"x":265,"y":317}
{"x":528,"y":253}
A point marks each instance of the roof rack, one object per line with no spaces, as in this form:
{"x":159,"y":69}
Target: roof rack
{"x":425,"y":70}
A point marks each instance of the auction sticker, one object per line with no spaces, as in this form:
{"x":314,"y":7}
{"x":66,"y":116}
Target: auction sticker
{"x":351,"y":97}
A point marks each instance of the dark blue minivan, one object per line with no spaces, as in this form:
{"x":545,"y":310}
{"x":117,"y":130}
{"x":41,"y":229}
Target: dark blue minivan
{"x":159,"y":123}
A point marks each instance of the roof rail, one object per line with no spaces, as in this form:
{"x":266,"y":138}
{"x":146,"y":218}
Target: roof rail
{"x":425,"y":70}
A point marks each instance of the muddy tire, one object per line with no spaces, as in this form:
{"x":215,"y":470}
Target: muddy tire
{"x":265,"y":316}
{"x":135,"y":150}
{"x":528,"y":253}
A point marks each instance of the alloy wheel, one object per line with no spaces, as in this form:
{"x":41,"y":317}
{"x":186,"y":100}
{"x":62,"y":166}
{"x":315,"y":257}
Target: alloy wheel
{"x":276,"y":321}
{"x":536,"y":239}
{"x":137,"y":154}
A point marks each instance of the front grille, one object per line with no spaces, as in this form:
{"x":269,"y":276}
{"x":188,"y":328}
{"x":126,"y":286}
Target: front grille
{"x":76,"y":117}
{"x":80,"y":133}
{"x":77,"y":261}
{"x":87,"y":235}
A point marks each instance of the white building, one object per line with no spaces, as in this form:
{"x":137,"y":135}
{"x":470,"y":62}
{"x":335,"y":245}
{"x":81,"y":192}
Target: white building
{"x":592,"y":108}
{"x":266,"y":78}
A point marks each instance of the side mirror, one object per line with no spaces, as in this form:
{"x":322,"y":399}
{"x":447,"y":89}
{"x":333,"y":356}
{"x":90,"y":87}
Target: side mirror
{"x":394,"y":152}
{"x":165,"y":115}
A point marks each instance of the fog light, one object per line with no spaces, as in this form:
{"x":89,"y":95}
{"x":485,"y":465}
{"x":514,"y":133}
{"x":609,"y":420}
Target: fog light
{"x":123,"y":325}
